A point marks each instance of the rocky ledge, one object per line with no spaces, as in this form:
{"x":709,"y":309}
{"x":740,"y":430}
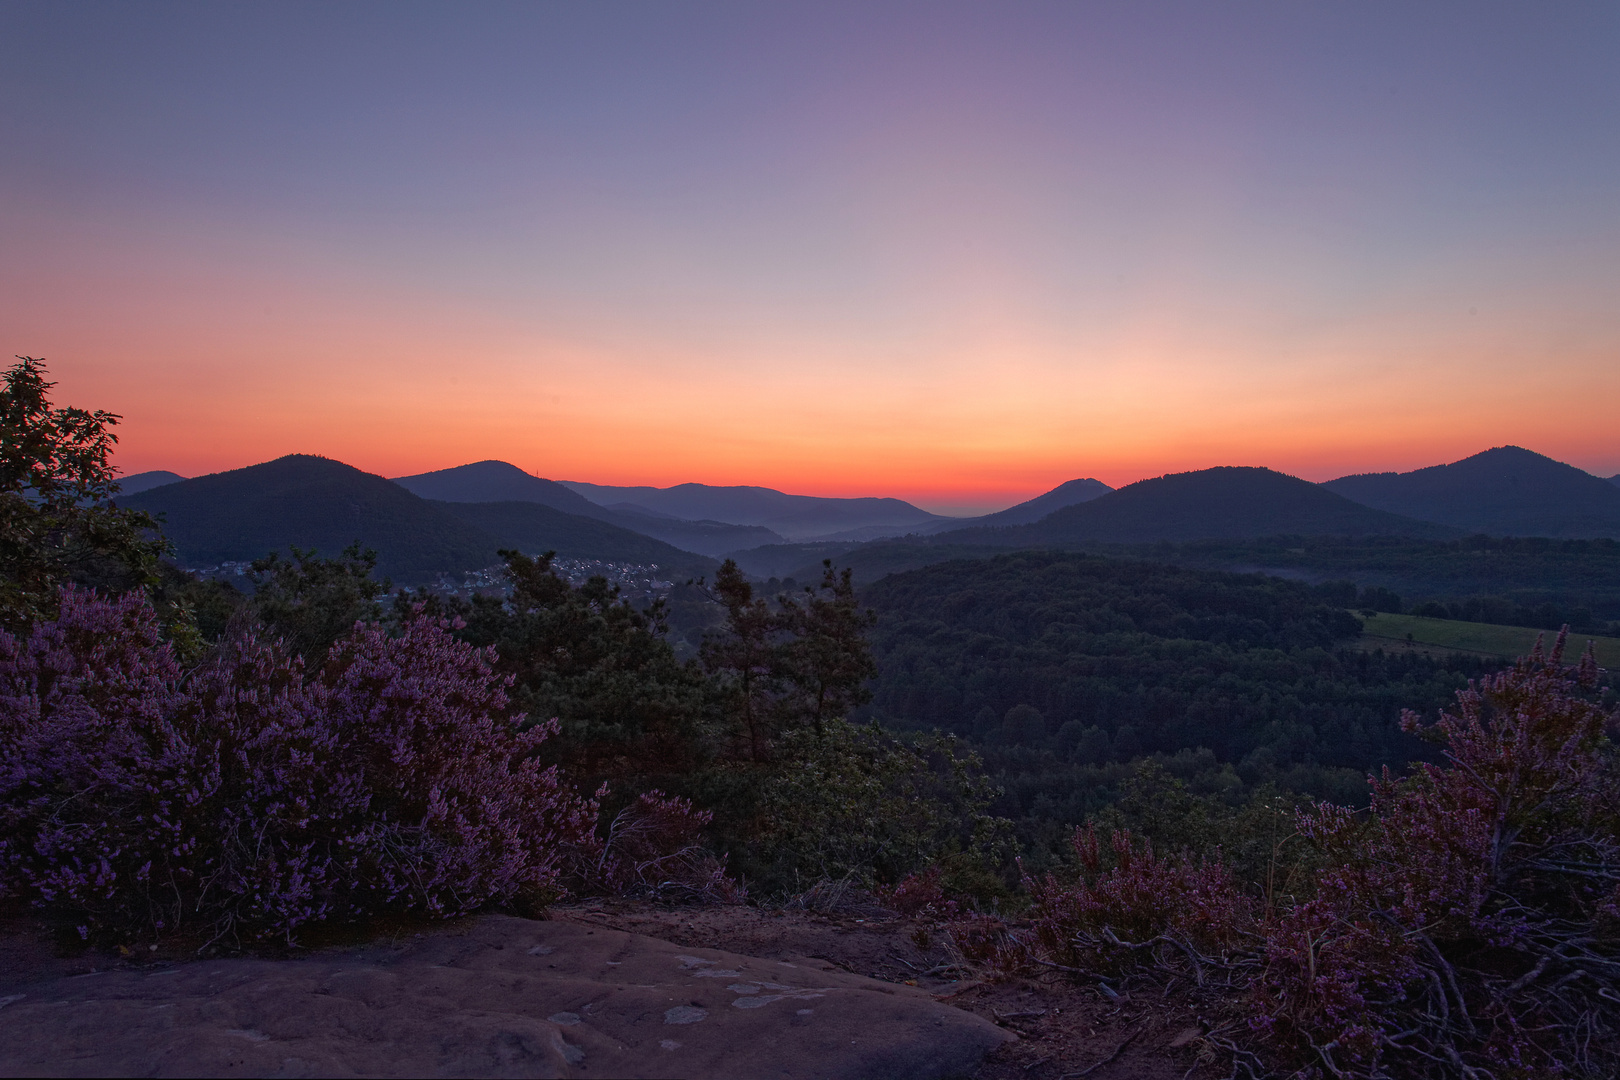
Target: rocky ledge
{"x":493,"y":996}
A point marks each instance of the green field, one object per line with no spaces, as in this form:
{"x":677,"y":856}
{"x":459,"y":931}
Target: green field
{"x":1485,"y":638}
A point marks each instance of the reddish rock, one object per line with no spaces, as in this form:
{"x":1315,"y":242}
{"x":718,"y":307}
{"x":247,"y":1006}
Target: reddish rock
{"x":495,"y":996}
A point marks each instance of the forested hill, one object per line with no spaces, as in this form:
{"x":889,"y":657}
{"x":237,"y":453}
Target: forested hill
{"x":1065,"y":494}
{"x":1118,"y":658}
{"x":1218,"y":503}
{"x":314,"y":502}
{"x":495,"y":482}
{"x":797,"y":517}
{"x":533,"y":528}
{"x":136,"y":483}
{"x":1506,"y":491}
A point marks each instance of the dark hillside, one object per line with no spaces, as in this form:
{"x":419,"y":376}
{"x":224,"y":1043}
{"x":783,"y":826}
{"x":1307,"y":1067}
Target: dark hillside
{"x":869,"y":562}
{"x":796,"y":517}
{"x":1507,"y":491}
{"x":1215,"y":503}
{"x":497,"y":481}
{"x":532,"y":528}
{"x":1520,"y":581}
{"x":313,"y":502}
{"x":1065,"y":494}
{"x":136,"y":483}
{"x":702,"y":537}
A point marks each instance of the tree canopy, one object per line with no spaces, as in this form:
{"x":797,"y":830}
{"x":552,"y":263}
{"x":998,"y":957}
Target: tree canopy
{"x":57,"y":520}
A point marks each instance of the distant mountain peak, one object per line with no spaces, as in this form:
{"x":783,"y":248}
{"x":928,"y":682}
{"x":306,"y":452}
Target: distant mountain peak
{"x":497,"y":481}
{"x":796,"y":517}
{"x":1504,"y":491}
{"x":135,"y":483}
{"x":1067,"y":493}
{"x":1225,"y":502}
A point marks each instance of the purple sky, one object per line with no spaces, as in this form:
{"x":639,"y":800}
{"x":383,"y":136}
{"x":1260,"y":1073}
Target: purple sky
{"x":953,"y":252}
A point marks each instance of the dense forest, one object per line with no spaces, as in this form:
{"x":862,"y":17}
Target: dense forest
{"x":182,"y":761}
{"x":1514,"y":581}
{"x":1062,"y":669}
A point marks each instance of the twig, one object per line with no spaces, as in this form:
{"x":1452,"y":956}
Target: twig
{"x":1018,"y":1015}
{"x":1117,"y":1051}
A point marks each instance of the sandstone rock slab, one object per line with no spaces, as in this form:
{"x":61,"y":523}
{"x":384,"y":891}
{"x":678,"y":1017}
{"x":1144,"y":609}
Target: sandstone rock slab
{"x":496,"y":996}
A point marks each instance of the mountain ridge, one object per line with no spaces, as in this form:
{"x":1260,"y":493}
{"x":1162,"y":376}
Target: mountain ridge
{"x":305,"y":500}
{"x":1225,"y":502}
{"x":494,"y":481}
{"x":1503,"y":491}
{"x":793,"y":517}
{"x":315,"y":502}
{"x":135,"y":483}
{"x":1068,"y":493}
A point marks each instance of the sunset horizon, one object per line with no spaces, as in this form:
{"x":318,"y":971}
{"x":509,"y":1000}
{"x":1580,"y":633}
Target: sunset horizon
{"x":947,"y":254}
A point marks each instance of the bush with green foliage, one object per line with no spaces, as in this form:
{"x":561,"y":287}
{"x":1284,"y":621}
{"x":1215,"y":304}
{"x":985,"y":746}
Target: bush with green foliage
{"x":628,"y":711}
{"x":856,"y":802}
{"x":311,"y":602}
{"x":57,"y":520}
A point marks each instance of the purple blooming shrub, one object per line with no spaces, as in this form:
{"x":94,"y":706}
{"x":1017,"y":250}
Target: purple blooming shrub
{"x":1100,"y":921}
{"x":1466,"y":924}
{"x":918,"y":895}
{"x":654,"y":848}
{"x":247,"y":798}
{"x":1463,"y":917}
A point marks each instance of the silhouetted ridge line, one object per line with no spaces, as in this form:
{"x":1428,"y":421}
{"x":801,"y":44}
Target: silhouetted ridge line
{"x":795,"y":517}
{"x":498,"y":481}
{"x":1220,"y":503}
{"x":1069,"y":493}
{"x":136,"y":483}
{"x":314,"y":502}
{"x":1504,"y":491}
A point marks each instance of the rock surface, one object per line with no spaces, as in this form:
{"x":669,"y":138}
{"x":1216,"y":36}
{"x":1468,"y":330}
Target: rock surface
{"x":495,"y":996}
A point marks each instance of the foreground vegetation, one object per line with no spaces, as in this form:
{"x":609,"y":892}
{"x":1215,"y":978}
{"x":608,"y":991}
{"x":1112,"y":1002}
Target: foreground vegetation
{"x":1118,"y":772}
{"x":1467,"y":924}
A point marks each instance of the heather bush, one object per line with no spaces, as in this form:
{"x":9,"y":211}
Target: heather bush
{"x":245,"y":798}
{"x":1135,"y":900}
{"x":1462,"y":920}
{"x":654,"y":847}
{"x":1467,"y":923}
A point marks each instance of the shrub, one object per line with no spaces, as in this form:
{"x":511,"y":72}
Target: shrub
{"x":1466,"y":924}
{"x":854,"y":802}
{"x":246,"y":798}
{"x":1100,"y":921}
{"x":654,"y":848}
{"x":58,"y":522}
{"x":1463,"y":918}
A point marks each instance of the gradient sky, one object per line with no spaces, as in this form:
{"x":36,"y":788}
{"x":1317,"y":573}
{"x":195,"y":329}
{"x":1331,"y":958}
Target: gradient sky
{"x":956,"y":253}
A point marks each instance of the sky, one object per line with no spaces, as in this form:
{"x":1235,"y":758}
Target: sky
{"x":954,"y":253}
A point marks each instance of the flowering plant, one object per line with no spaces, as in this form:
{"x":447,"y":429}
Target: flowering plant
{"x":246,"y":797}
